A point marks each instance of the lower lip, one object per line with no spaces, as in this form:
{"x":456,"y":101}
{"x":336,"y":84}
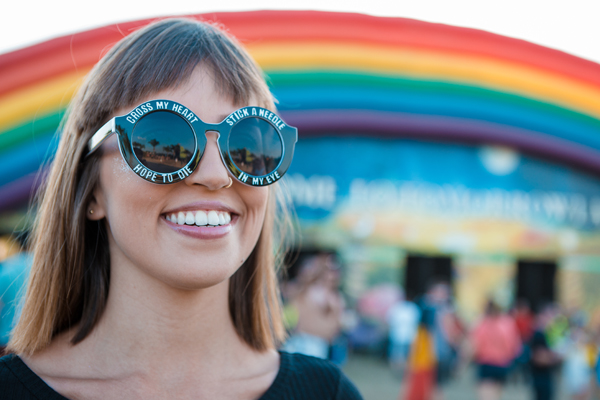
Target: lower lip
{"x":202,"y":232}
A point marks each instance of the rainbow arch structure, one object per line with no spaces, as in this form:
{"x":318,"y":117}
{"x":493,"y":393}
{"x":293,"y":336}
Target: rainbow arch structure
{"x":341,"y":74}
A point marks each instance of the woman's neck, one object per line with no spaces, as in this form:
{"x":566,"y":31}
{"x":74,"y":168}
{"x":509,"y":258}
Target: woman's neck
{"x":143,"y":315}
{"x":179,"y":319}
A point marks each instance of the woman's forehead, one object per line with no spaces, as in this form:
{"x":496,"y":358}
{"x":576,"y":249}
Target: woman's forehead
{"x":199,"y":86}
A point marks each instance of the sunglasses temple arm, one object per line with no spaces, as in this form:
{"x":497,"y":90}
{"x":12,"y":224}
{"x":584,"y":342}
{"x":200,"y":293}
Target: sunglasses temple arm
{"x":101,"y":135}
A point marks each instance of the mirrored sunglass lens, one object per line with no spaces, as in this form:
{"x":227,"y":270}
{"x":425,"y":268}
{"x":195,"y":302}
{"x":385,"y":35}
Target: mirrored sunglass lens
{"x":255,"y":146}
{"x":163,"y":142}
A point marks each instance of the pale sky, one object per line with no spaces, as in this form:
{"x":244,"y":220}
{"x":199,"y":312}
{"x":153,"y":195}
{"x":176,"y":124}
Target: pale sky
{"x":572,"y":26}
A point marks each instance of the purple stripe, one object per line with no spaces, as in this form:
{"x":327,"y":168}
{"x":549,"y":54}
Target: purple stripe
{"x":18,"y":192}
{"x":326,"y":122}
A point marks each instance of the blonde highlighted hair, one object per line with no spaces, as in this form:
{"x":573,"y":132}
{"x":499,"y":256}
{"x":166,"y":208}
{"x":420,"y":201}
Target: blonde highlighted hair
{"x":70,"y":275}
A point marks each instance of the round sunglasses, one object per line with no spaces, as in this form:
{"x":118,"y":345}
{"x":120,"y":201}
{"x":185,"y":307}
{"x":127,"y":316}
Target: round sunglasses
{"x":162,"y":141}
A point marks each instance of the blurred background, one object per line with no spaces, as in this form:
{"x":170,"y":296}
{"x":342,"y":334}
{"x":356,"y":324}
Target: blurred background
{"x":446,"y":182}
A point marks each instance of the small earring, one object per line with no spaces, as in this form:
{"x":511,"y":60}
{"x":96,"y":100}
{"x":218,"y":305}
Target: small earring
{"x":91,"y":211}
{"x":230,"y":183}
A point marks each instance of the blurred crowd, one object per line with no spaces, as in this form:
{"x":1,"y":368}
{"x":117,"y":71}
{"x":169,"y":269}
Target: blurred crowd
{"x":427,"y":345}
{"x":546,"y":349}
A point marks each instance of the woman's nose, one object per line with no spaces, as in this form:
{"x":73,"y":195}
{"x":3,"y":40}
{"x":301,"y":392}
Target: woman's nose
{"x":211,"y":171}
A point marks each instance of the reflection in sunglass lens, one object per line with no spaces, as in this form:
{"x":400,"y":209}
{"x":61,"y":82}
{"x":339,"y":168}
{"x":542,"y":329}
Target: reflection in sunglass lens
{"x":255,"y":146}
{"x":163,"y":142}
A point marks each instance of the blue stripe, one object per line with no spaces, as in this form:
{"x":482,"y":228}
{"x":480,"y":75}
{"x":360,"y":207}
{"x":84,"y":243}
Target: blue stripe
{"x":26,"y":157}
{"x":439,"y":104}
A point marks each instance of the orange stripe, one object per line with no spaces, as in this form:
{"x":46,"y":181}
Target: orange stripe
{"x":39,"y":99}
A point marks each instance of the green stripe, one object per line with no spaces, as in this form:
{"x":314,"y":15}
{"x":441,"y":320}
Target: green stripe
{"x":394,"y":83}
{"x":43,"y":125}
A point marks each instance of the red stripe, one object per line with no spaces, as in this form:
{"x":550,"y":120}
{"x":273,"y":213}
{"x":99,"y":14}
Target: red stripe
{"x":82,"y":50}
{"x":58,"y":56}
{"x":287,"y":26}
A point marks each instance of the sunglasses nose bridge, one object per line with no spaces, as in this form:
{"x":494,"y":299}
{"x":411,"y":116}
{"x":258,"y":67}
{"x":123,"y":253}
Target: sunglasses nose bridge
{"x":215,"y":133}
{"x":211,"y":170}
{"x":208,"y":133}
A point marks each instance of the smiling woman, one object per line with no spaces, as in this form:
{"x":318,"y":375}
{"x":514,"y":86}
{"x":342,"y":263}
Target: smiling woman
{"x":154,"y":271}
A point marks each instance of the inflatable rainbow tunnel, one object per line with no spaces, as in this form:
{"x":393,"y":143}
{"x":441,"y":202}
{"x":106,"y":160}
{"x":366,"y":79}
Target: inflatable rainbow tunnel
{"x":341,"y":74}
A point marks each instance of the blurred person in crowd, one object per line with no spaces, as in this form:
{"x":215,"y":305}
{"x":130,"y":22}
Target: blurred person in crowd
{"x":14,"y":272}
{"x":596,"y":378}
{"x":403,"y":320}
{"x":456,"y":332}
{"x":543,"y":359}
{"x":420,"y":377}
{"x":315,"y":299}
{"x":524,"y":319}
{"x":495,"y":344}
{"x":576,"y":369}
{"x":558,"y":327}
{"x":443,"y":327}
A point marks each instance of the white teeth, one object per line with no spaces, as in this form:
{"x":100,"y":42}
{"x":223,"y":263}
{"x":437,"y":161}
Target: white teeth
{"x":213,"y":218}
{"x":189,"y":218}
{"x":201,"y":218}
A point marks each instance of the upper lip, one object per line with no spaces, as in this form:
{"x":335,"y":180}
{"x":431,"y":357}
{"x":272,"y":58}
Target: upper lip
{"x":203,"y":205}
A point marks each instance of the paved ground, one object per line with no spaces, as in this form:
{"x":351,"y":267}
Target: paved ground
{"x":376,"y":382}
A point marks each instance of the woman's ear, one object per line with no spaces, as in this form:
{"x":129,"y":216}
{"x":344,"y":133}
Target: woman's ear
{"x":95,"y":210}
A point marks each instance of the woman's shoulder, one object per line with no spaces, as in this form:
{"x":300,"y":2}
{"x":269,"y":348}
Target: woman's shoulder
{"x":18,"y":382}
{"x":304,"y":377}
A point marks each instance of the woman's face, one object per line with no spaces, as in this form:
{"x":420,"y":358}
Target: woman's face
{"x":142,"y":237}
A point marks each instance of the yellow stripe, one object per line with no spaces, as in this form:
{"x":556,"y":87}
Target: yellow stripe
{"x":42,"y":98}
{"x":491,"y":73}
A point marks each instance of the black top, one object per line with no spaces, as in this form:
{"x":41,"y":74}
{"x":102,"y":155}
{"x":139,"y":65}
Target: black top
{"x":300,"y":377}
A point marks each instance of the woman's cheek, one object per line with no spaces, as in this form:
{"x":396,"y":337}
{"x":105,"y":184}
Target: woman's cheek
{"x":120,"y":172}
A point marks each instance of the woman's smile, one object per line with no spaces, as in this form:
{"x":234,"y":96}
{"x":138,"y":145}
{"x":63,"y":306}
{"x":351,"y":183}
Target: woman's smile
{"x":202,"y":220}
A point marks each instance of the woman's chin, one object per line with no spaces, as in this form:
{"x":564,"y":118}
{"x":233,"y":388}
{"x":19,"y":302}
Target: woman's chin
{"x":197,"y":280}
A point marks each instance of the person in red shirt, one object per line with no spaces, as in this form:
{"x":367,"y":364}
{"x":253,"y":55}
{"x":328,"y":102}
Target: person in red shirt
{"x":524,"y":319}
{"x":496,"y":343}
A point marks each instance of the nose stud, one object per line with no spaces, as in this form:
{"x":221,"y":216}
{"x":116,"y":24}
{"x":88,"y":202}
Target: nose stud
{"x":229,"y":185}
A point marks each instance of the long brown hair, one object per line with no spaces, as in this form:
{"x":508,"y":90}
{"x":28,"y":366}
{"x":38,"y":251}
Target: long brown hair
{"x":70,"y":274}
